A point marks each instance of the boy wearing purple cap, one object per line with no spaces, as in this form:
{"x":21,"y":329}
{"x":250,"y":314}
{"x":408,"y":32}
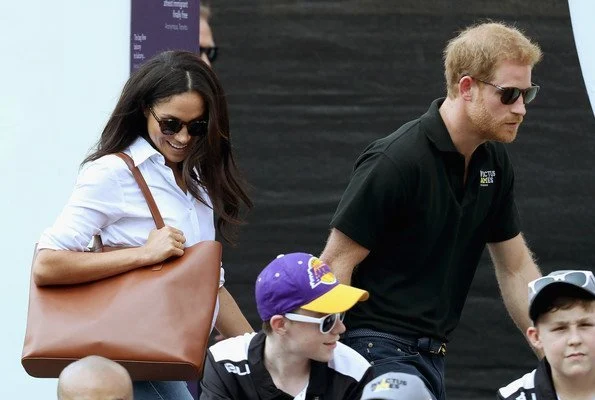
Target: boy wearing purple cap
{"x":562,"y":308}
{"x":297,"y":355}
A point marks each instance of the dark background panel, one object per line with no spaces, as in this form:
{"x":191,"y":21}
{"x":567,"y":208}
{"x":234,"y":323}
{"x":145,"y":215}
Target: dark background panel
{"x":311,"y":83}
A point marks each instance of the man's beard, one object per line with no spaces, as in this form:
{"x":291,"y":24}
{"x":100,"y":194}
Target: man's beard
{"x":488,"y":128}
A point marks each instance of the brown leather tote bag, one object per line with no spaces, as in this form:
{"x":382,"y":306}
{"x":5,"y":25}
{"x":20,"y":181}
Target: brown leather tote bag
{"x":155,"y":320}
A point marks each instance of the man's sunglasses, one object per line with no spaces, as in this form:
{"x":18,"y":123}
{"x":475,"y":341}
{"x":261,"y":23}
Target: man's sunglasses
{"x":211,"y":52}
{"x":584,"y":279}
{"x":508,"y":95}
{"x":171,"y":126}
{"x":326,"y":323}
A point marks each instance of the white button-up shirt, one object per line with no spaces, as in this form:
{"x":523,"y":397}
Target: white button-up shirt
{"x":107,"y":201}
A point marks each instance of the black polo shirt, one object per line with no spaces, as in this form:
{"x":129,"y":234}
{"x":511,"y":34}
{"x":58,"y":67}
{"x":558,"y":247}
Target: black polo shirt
{"x":424,"y":226}
{"x":235,"y":369}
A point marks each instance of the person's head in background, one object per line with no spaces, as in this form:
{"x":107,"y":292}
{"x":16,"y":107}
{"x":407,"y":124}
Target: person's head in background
{"x":208,"y":50}
{"x":94,"y":378}
{"x":562,"y":308}
{"x":396,"y":386}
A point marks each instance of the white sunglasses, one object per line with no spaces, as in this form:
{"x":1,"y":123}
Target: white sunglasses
{"x":326,"y":323}
{"x":583,"y":279}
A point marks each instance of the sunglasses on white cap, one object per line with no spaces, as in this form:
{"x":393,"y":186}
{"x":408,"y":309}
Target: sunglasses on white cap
{"x":583,"y":279}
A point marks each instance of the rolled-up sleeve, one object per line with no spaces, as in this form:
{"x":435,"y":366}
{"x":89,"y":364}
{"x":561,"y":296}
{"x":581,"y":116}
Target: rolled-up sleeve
{"x":96,"y":201}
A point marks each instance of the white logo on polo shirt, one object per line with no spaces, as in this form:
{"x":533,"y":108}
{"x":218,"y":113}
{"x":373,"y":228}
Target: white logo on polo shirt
{"x":486,"y":178}
{"x":237,"y":369}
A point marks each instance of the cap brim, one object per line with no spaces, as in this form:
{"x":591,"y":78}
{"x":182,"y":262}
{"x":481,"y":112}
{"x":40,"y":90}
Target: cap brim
{"x":542,"y":299}
{"x":379,"y":396}
{"x":339,"y":299}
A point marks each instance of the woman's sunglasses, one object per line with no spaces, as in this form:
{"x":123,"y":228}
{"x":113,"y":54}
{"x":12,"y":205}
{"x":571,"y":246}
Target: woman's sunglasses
{"x":210,"y":52}
{"x":171,"y":126}
{"x":583,"y":279}
{"x":326,"y":323}
{"x":508,"y":95}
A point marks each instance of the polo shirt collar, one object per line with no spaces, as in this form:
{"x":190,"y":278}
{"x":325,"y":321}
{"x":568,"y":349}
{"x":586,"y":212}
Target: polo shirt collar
{"x":318,"y":378}
{"x":435,"y":129}
{"x":544,"y":383}
{"x":141,"y":150}
{"x":260,"y":376}
{"x":266,"y":387}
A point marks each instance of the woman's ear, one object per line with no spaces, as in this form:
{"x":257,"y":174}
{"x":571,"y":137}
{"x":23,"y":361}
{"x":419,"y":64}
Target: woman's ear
{"x":279,"y":324}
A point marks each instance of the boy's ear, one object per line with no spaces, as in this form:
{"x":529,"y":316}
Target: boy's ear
{"x":533,"y":336}
{"x":279,"y":324}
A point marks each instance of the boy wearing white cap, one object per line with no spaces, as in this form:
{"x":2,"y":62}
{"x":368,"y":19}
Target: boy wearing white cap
{"x":562,"y":308}
{"x":297,"y":355}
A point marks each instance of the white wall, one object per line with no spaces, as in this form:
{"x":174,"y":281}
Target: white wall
{"x":581,"y":14}
{"x":62,"y":66}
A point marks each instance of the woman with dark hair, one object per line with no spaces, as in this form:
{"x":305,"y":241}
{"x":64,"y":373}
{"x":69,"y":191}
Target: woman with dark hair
{"x":172,"y":120}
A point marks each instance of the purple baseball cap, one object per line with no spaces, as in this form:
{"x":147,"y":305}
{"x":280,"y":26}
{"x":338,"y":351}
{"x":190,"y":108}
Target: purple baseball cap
{"x":300,"y":280}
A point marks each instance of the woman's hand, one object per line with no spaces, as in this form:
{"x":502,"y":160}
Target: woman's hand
{"x":164,"y":243}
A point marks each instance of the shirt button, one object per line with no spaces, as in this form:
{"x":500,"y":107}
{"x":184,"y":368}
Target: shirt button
{"x":370,"y":344}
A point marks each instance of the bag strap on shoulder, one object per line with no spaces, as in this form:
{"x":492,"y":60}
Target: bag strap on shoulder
{"x":140,"y":180}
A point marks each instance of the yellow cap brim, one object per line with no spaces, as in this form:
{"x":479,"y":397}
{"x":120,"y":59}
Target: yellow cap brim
{"x":339,"y":299}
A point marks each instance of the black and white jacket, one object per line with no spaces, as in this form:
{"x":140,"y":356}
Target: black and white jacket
{"x":234,"y":369}
{"x":536,"y":385}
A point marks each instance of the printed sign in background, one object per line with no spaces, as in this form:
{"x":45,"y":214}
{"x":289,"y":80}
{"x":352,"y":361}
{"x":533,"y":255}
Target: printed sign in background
{"x":158,"y":25}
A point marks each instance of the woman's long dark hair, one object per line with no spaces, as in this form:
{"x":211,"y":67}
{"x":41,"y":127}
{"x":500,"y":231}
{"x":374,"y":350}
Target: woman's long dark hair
{"x":168,"y":74}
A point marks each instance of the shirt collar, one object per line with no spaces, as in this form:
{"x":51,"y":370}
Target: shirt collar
{"x":260,"y":376}
{"x":318,"y":378}
{"x":544,"y":383}
{"x":141,"y":150}
{"x":265,"y":385}
{"x":435,"y":129}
